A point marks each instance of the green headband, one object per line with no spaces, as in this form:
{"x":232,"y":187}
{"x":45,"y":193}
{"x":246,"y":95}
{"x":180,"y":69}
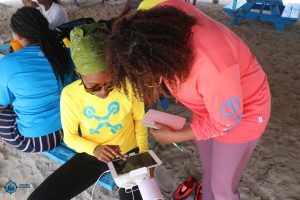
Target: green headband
{"x":87,"y":48}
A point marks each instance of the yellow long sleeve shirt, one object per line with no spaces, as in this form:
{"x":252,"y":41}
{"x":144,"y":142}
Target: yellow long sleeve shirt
{"x":115,"y":120}
{"x":148,"y":4}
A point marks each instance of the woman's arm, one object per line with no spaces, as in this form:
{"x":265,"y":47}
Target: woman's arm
{"x":165,"y":135}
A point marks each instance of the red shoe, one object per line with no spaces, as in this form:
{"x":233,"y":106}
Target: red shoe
{"x":185,"y":189}
{"x":198,"y":195}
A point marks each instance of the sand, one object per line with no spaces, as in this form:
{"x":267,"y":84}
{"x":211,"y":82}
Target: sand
{"x":273,"y":171}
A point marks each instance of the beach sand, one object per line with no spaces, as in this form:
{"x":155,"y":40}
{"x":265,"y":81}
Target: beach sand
{"x":273,"y":171}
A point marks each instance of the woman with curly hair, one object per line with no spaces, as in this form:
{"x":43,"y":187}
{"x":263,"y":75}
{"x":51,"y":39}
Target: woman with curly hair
{"x":208,"y":69}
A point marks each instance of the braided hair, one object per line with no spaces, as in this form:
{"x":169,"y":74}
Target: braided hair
{"x":149,"y":45}
{"x":30,"y":24}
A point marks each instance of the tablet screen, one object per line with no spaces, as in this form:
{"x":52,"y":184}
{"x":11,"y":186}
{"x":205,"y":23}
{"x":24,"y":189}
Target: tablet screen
{"x":133,"y":162}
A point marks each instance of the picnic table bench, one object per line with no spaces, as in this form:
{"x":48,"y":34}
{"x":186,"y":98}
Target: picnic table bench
{"x":264,"y":10}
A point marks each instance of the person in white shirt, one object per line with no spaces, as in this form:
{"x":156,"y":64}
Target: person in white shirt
{"x":51,"y":9}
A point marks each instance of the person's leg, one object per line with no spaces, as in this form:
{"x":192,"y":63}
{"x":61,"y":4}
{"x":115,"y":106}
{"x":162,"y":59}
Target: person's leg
{"x":130,"y":194}
{"x":72,"y":178}
{"x":205,"y":156}
{"x":46,"y":142}
{"x":10,"y":134}
{"x":7,"y":123}
{"x":228,"y":164}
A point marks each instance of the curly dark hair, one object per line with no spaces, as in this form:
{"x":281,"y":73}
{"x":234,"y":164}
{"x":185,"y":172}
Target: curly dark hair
{"x":147,"y":45}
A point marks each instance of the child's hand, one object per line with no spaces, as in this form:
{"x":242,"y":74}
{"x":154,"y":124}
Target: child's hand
{"x":107,"y":153}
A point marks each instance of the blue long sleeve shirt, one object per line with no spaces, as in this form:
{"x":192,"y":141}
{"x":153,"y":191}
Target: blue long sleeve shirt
{"x":28,"y":83}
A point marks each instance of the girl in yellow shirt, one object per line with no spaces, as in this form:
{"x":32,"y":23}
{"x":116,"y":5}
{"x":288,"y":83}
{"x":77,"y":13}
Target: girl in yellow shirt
{"x":108,"y":119}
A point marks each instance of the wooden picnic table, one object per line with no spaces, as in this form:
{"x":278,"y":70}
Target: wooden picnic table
{"x":264,"y":10}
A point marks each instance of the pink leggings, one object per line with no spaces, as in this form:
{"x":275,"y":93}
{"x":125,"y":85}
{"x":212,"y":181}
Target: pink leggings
{"x":223,"y":165}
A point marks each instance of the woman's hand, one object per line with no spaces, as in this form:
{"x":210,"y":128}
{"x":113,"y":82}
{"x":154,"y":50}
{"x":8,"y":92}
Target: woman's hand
{"x":107,"y":153}
{"x":166,"y":135}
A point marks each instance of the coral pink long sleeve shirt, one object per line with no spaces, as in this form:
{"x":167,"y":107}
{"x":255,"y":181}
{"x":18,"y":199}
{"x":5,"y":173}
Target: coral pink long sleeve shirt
{"x":226,"y":89}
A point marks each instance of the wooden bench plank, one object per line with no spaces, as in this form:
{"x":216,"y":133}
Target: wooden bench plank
{"x":294,"y":14}
{"x":291,"y":11}
{"x":296,"y":6}
{"x":239,"y":4}
{"x":286,"y":13}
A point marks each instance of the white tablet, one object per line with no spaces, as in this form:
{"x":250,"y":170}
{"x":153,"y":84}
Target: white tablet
{"x":121,"y":167}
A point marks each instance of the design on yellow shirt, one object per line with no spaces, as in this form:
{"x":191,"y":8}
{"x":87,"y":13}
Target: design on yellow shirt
{"x":113,"y":109}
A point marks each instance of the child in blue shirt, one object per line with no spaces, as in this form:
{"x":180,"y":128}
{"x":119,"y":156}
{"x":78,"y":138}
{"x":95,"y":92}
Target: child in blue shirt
{"x":31,"y":81}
